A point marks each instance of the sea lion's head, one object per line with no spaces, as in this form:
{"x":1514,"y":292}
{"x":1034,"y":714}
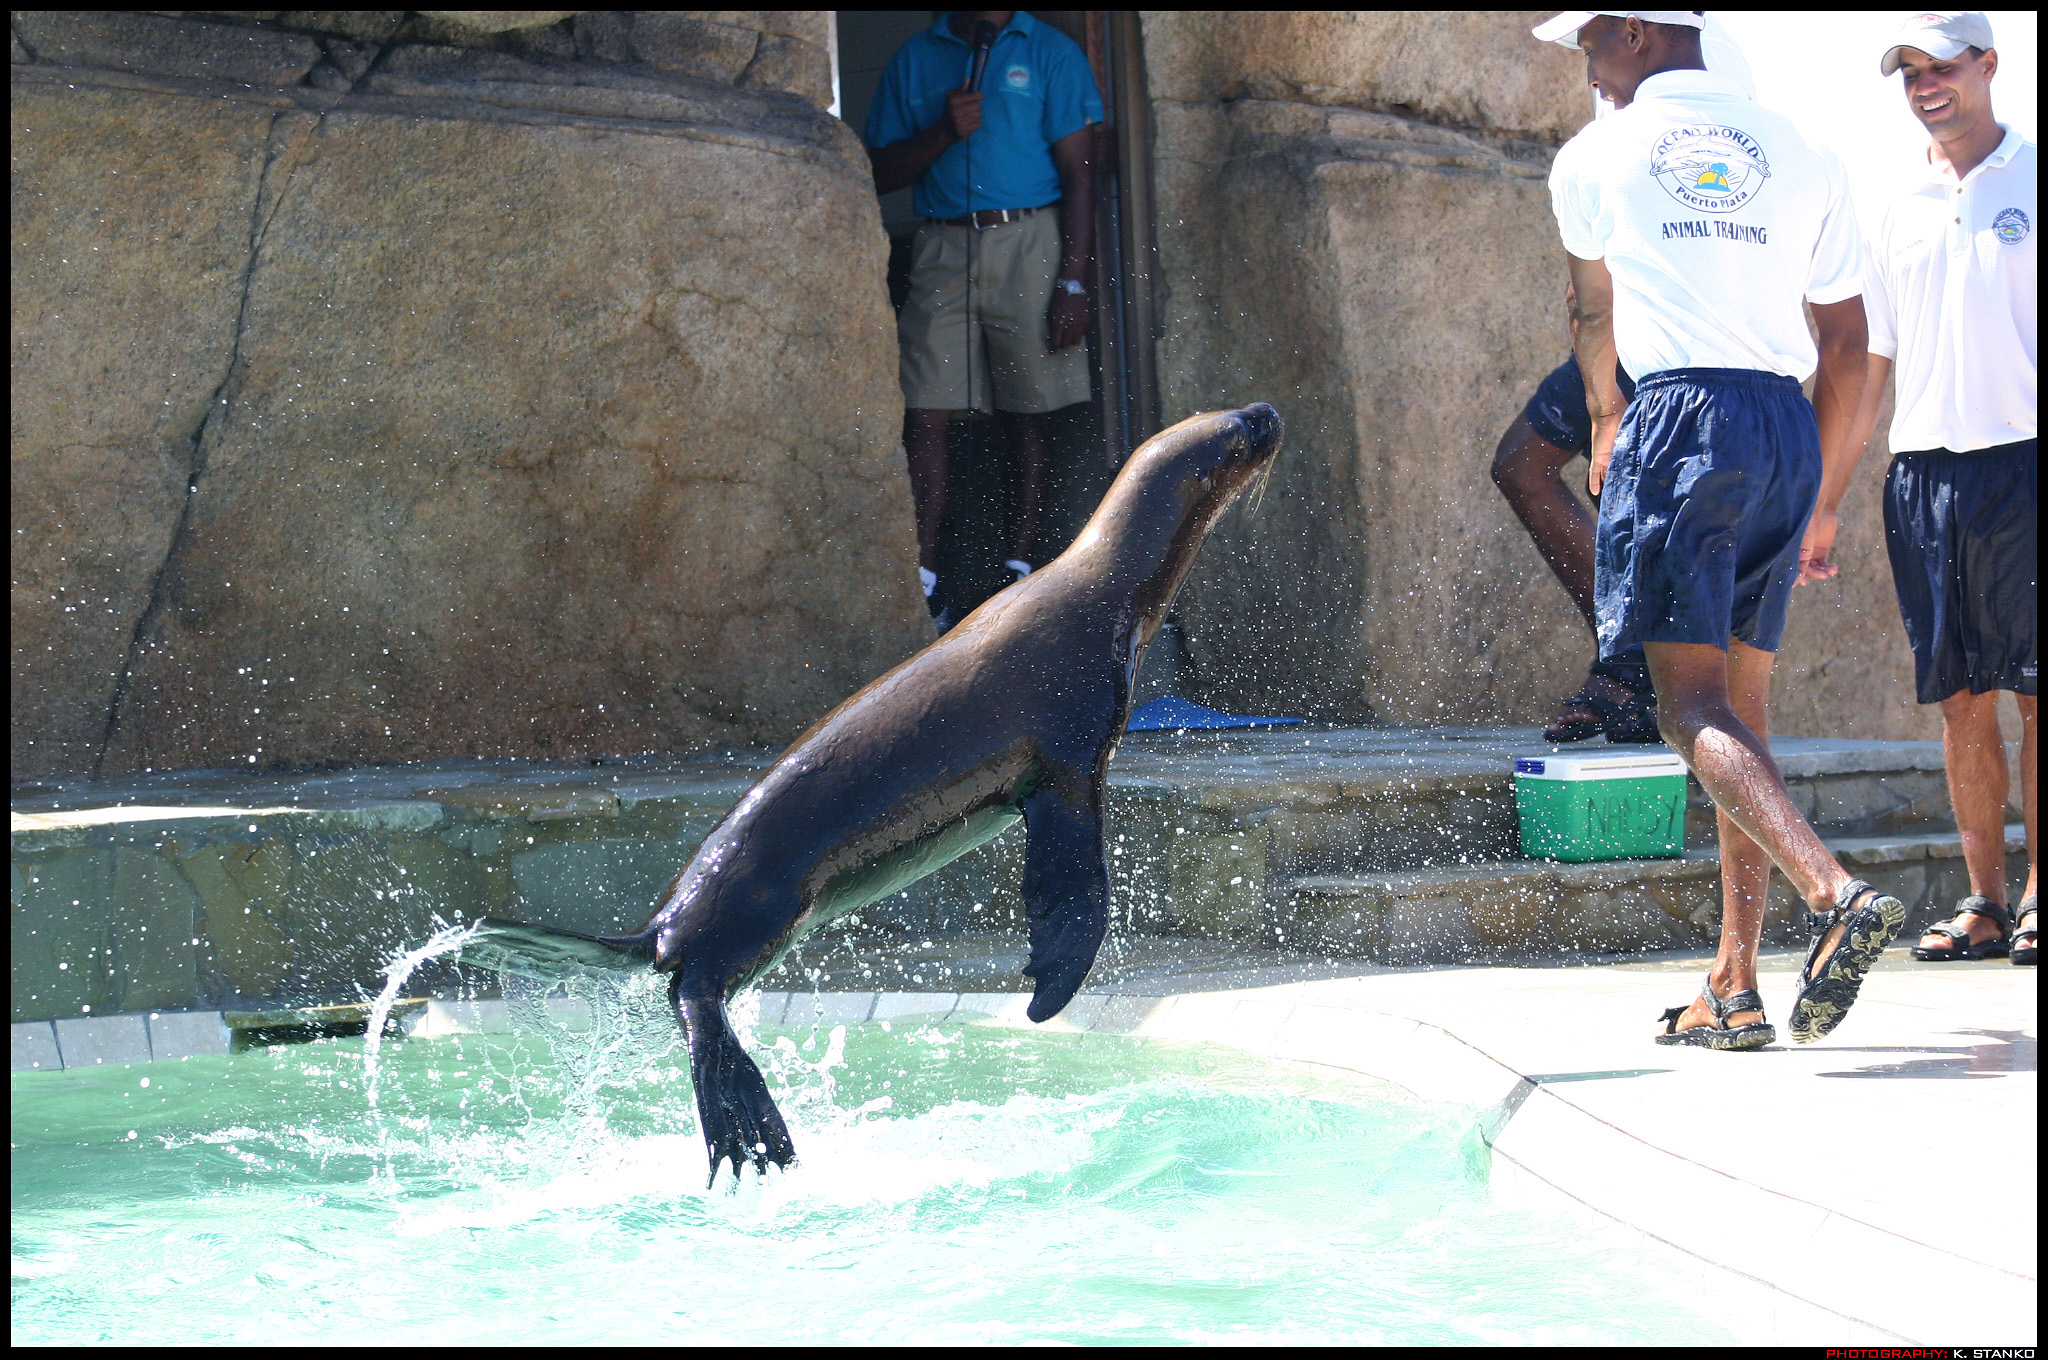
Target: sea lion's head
{"x":1168,"y":496}
{"x":1206,"y":461}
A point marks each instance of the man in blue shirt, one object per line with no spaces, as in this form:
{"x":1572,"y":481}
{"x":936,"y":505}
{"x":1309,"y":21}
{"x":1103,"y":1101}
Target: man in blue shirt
{"x":997,"y":306}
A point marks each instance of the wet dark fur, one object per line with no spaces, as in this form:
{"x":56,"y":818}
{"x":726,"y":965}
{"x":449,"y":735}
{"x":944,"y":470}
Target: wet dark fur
{"x":1014,"y":714}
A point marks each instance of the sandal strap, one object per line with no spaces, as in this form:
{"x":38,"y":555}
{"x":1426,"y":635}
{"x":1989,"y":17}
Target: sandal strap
{"x":1847,"y":895}
{"x":1960,"y":934}
{"x":1985,"y":907}
{"x":1744,"y":1000}
{"x":1820,"y":920}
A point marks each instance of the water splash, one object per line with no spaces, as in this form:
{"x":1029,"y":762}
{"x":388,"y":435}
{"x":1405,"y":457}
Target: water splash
{"x":604,"y":1030}
{"x":445,"y":941}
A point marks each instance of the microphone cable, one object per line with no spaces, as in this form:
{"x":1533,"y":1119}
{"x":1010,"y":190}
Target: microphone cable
{"x":984,"y":43}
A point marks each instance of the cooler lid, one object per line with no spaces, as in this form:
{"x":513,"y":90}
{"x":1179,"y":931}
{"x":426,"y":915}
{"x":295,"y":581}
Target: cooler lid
{"x":1642,"y":763}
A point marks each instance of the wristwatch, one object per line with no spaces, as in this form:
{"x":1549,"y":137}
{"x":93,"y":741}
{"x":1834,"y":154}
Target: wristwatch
{"x":1071,"y":286}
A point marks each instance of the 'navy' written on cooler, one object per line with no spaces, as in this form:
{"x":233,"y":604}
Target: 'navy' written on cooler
{"x":1708,"y":231}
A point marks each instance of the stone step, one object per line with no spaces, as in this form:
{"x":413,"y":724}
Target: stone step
{"x":225,"y":889}
{"x":1370,"y":799}
{"x":1522,"y":909}
{"x":1202,"y":827}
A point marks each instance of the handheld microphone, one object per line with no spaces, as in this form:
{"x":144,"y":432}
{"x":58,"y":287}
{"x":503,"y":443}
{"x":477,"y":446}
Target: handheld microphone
{"x":984,"y":39}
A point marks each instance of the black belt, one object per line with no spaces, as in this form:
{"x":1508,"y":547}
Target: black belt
{"x":989,"y":217}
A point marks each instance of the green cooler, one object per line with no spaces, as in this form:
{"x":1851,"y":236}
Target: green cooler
{"x":1605,"y":806}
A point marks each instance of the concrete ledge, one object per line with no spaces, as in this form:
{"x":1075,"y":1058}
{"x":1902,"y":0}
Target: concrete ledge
{"x":32,"y":1046}
{"x":895,"y":1005}
{"x":188,"y":1034}
{"x":829,"y":1008}
{"x":248,"y":1029}
{"x":93,"y":1041}
{"x":439,"y":1018}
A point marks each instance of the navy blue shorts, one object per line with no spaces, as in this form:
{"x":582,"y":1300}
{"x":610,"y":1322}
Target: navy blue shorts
{"x":1714,"y":477}
{"x":1960,"y":527}
{"x":1558,"y":410}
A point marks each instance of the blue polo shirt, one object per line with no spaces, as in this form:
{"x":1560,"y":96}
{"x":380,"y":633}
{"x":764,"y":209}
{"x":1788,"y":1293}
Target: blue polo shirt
{"x":1037,"y":89}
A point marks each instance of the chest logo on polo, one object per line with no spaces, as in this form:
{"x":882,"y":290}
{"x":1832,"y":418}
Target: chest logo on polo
{"x":2012,"y":226}
{"x":1709,"y":168}
{"x":1018,"y":78}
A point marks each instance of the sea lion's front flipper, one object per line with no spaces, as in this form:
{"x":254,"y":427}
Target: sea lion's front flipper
{"x":550,"y":954}
{"x":735,"y":1114}
{"x":1066,"y":888}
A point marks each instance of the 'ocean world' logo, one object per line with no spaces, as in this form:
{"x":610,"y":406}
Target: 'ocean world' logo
{"x":2012,"y":226}
{"x":1018,"y":77}
{"x":1710,"y":168}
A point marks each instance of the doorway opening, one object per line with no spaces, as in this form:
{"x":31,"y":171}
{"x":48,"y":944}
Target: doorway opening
{"x":1088,"y":441}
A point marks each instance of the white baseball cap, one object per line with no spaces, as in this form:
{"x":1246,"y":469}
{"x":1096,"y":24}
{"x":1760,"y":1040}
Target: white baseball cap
{"x":1564,"y":29}
{"x":1942,"y":36}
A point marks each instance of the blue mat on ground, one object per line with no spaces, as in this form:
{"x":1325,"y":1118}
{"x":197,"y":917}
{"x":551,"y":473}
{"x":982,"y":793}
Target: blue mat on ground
{"x":1168,"y":714}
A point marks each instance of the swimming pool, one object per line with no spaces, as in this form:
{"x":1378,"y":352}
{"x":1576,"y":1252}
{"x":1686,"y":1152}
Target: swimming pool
{"x":958,"y":1184}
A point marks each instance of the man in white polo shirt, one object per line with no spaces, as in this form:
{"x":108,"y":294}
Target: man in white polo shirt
{"x":1697,"y":223}
{"x":1951,"y":295}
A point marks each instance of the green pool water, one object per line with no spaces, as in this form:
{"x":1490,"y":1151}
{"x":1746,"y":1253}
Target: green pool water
{"x":958,"y":1184}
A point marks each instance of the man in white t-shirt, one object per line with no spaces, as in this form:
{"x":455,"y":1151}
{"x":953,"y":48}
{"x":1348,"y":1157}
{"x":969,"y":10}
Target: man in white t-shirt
{"x":1528,"y":467}
{"x":1698,"y":222}
{"x":1952,"y":300}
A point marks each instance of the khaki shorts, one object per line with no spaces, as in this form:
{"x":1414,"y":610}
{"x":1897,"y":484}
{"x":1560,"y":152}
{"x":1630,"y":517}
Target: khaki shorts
{"x":1014,"y":266}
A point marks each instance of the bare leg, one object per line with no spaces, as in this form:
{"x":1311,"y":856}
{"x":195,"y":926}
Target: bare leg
{"x":1974,"y":753}
{"x":924,"y":444}
{"x":1745,"y":865}
{"x":1529,"y":470}
{"x":1733,"y":762}
{"x":1978,"y":782}
{"x":2028,"y":752}
{"x":1027,"y":447}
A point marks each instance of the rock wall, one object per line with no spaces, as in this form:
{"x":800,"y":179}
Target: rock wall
{"x":1353,"y":224}
{"x":391,"y":386}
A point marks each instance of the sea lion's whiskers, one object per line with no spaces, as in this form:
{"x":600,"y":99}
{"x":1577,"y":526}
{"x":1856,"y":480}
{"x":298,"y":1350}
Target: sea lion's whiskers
{"x":1259,"y":491}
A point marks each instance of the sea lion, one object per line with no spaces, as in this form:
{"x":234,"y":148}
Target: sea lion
{"x":1011,"y":715}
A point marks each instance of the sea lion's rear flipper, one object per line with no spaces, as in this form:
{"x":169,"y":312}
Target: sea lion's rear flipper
{"x":550,"y":954}
{"x":1066,"y":888}
{"x":739,"y":1121}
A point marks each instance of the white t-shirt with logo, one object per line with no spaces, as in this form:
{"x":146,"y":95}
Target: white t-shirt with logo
{"x":1715,"y":217}
{"x":1951,"y":297}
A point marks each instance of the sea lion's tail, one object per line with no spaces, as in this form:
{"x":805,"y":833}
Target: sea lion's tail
{"x":737,"y":1117}
{"x":550,"y":954}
